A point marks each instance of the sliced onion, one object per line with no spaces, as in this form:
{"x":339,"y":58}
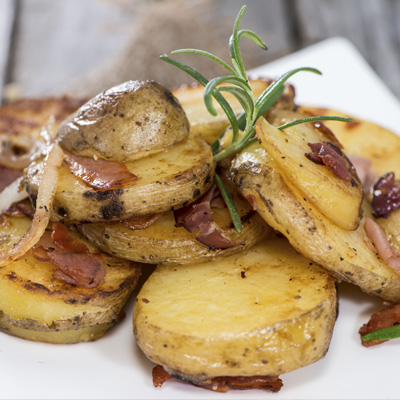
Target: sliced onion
{"x":28,"y":146}
{"x":382,"y":244}
{"x":44,"y":201}
{"x":12,"y":194}
{"x":18,"y":150}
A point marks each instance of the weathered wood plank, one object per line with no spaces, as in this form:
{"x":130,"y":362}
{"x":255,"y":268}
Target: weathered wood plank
{"x":59,"y":49}
{"x":370,"y":24}
{"x":84,"y":47}
{"x":7,"y":15}
{"x":59,"y":41}
{"x":164,"y":26}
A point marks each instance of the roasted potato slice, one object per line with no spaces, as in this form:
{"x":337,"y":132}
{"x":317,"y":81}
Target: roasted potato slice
{"x":345,"y":254}
{"x":27,"y":116}
{"x":338,"y":200}
{"x":36,"y":306}
{"x":163,"y":242}
{"x":364,"y":138}
{"x":166,"y":180}
{"x":21,"y":136}
{"x":266,"y":311}
{"x":210,"y":127}
{"x":126,"y":122}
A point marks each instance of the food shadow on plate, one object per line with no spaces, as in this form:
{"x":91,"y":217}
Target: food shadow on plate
{"x":353,"y":294}
{"x":128,"y":355}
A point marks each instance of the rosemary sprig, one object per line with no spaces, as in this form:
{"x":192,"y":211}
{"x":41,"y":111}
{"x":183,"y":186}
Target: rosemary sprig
{"x":237,"y":222}
{"x":238,"y":85}
{"x":391,"y":332}
{"x":314,"y":119}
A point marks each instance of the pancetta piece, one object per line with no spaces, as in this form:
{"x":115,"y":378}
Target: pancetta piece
{"x":330,"y":155}
{"x":139,"y":223}
{"x":386,"y":196}
{"x":382,"y":245}
{"x":198,"y":216}
{"x":23,"y":208}
{"x":76,"y":264}
{"x":222,"y":384}
{"x":389,"y":316}
{"x":81,"y":269}
{"x":99,"y":174}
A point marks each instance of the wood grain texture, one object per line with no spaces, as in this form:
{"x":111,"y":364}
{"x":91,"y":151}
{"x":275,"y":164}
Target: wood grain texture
{"x":58,"y":41}
{"x":7,"y":15}
{"x":370,"y":24}
{"x":85,"y":47}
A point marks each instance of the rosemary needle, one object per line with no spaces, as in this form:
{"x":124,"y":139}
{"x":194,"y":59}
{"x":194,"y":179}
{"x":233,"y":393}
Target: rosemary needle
{"x":237,"y":84}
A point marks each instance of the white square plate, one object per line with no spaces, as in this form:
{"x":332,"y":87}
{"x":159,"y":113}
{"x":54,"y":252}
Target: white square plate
{"x":114,"y":368}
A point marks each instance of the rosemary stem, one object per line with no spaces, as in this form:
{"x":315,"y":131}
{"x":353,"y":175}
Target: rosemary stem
{"x":235,"y":146}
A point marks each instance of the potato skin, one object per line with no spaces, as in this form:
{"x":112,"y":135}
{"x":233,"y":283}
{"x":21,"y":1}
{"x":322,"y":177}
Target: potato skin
{"x":36,"y":306}
{"x":166,"y":180}
{"x":280,"y":317}
{"x":126,"y":122}
{"x":343,"y":253}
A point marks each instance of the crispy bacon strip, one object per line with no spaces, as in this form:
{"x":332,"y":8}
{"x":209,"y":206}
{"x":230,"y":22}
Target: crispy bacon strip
{"x":76,"y":265}
{"x":386,"y":196}
{"x":160,"y":376}
{"x":210,"y":235}
{"x":328,"y":133}
{"x":81,"y":269}
{"x":99,"y":174}
{"x":382,"y":245}
{"x":198,"y":216}
{"x":331,"y":156}
{"x":183,"y":215}
{"x":62,"y":238}
{"x":389,"y":316}
{"x":222,"y":384}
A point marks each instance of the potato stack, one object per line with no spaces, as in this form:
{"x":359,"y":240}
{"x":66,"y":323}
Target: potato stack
{"x":223,"y":309}
{"x":40,"y":298}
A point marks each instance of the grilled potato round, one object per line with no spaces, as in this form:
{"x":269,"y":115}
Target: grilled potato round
{"x":364,"y":138}
{"x":266,"y":311}
{"x":338,"y":199}
{"x":345,"y":254}
{"x":36,"y":306}
{"x":166,"y":180}
{"x":124,"y":123}
{"x":164,"y":243}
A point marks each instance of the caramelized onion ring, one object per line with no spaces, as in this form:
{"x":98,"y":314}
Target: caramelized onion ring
{"x":27,"y":146}
{"x":382,"y":244}
{"x":12,"y":194}
{"x":46,"y":193}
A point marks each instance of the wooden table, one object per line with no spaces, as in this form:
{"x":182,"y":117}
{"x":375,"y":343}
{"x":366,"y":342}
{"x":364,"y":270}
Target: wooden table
{"x":80,"y":47}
